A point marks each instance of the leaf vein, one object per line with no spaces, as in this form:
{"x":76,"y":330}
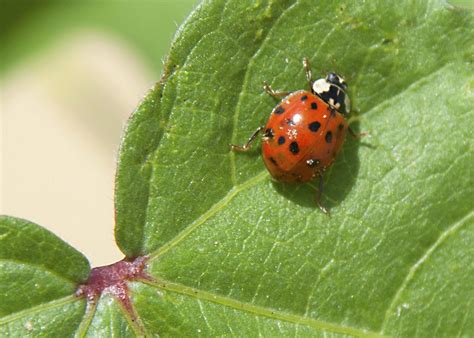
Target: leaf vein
{"x":40,"y":307}
{"x":86,"y":320}
{"x":416,"y":266}
{"x":260,"y":311}
{"x":208,"y":214}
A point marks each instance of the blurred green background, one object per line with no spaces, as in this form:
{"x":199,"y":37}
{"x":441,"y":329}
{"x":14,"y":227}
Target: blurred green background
{"x":147,"y":26}
{"x":71,"y":72}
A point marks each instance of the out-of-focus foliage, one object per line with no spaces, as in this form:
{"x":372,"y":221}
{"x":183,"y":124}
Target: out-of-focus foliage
{"x":29,"y":26}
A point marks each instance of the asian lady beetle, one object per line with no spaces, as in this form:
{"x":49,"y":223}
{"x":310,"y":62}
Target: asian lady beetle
{"x":305,"y":131}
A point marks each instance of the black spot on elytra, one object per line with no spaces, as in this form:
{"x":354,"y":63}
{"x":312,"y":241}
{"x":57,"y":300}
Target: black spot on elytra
{"x":273,"y":161}
{"x":341,"y":126}
{"x":279,"y":110}
{"x":294,"y":148}
{"x":269,"y":133}
{"x":314,"y":105}
{"x":281,"y":140}
{"x":290,"y":122}
{"x":328,"y":137}
{"x":304,"y":98}
{"x":314,"y":126}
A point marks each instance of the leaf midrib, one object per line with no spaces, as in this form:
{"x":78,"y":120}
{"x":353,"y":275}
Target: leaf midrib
{"x":259,"y":310}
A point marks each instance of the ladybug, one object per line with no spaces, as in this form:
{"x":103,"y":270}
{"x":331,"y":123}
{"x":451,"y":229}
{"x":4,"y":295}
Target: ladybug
{"x":305,"y":131}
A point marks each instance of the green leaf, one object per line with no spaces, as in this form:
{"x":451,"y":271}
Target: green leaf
{"x":56,"y":319}
{"x":39,"y":274}
{"x":235,"y":253}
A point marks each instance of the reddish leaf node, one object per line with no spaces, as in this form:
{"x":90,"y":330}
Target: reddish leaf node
{"x":112,"y":279}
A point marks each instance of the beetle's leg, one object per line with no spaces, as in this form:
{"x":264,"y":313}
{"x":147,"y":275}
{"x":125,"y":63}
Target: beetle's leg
{"x":319,"y":194}
{"x":309,"y":73}
{"x":274,"y":93}
{"x":248,"y":144}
